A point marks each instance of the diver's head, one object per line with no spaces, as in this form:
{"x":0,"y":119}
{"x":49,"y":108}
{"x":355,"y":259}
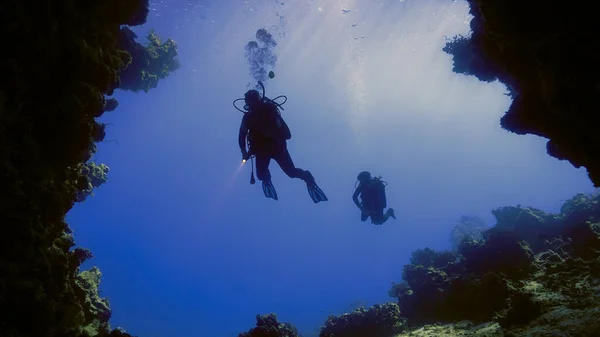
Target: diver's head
{"x":364,"y":176}
{"x":251,"y":97}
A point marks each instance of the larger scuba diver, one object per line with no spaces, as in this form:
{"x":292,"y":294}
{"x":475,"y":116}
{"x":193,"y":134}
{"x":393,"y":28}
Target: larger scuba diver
{"x":266,"y":133}
{"x":373,"y":199}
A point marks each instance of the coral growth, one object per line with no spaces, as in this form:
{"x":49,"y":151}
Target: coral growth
{"x":150,"y":64}
{"x":382,"y":320}
{"x":64,"y":57}
{"x":468,"y":227}
{"x":463,"y":328}
{"x":268,"y":326}
{"x":92,"y":176}
{"x":501,"y":278}
{"x":547,"y":55}
{"x":99,"y":309}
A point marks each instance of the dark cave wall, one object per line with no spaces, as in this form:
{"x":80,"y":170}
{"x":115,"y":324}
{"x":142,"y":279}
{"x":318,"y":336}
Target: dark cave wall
{"x":61,"y":59}
{"x":547,"y":53}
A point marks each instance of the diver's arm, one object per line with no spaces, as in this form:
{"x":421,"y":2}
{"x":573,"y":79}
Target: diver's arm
{"x":242,"y":136}
{"x":287,"y":134}
{"x":355,"y":198}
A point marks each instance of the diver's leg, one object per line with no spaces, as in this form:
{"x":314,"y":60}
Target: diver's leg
{"x":378,"y":218}
{"x":384,"y":217}
{"x":263,"y":174}
{"x":363,"y":216}
{"x":390,"y":213}
{"x":262,"y":168}
{"x":287,"y":165}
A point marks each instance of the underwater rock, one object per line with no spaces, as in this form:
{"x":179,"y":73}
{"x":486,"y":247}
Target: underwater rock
{"x":581,"y":208}
{"x":567,"y":290}
{"x":268,"y":326}
{"x":501,"y":252}
{"x":500,"y":279}
{"x":467,"y":228}
{"x":466,"y":290}
{"x":428,"y":257}
{"x":528,"y":224}
{"x":536,"y":227}
{"x":149,"y":63}
{"x":92,"y":175}
{"x":547,"y":55}
{"x":464,"y":328}
{"x":62,"y":62}
{"x":473,"y":287}
{"x":99,"y":308}
{"x":381,"y":320}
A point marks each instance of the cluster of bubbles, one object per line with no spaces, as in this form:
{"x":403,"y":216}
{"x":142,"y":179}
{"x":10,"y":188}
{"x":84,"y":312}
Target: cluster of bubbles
{"x":260,"y":55}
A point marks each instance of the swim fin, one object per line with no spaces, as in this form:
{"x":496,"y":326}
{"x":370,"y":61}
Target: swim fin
{"x":269,"y":190}
{"x":315,"y":192}
{"x":391,"y":212}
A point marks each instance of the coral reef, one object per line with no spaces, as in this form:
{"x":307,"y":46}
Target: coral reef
{"x":150,"y":63}
{"x":382,"y":320}
{"x":268,"y":326}
{"x":99,"y":309}
{"x":64,"y":57}
{"x":92,"y":176}
{"x":463,"y":328}
{"x":500,"y":278}
{"x":469,"y":227}
{"x":546,"y":53}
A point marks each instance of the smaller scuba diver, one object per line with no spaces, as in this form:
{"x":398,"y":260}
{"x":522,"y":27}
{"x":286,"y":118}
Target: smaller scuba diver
{"x":373,"y":200}
{"x":267,"y":133}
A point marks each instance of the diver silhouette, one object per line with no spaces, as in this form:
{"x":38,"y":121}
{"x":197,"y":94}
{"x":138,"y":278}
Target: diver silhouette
{"x":373,"y":199}
{"x":266,"y":134}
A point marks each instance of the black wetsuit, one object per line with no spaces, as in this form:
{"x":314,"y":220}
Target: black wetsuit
{"x":373,"y":200}
{"x":265,"y":148}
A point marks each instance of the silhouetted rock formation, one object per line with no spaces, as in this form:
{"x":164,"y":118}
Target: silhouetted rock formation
{"x":381,"y":320}
{"x":501,"y":278}
{"x":92,"y":176}
{"x":268,"y":326}
{"x":61,"y":59}
{"x":150,"y":63}
{"x":547,"y":54}
{"x":468,"y":227}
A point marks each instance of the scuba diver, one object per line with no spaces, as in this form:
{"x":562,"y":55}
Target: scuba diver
{"x":267,"y":133}
{"x":373,"y":200}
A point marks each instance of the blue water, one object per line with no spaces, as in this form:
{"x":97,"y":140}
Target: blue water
{"x":188,"y":247}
